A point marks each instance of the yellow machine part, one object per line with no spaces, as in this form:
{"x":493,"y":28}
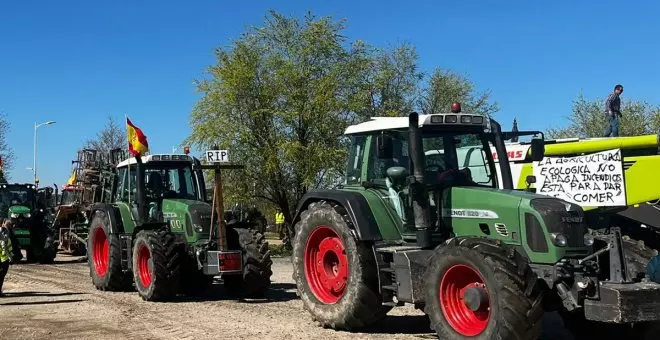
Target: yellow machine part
{"x":639,"y":171}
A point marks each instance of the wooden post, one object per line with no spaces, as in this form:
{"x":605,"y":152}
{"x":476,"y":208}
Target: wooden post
{"x":220,"y":209}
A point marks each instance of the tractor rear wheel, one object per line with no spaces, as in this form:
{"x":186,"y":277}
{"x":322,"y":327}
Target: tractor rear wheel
{"x":104,"y":258}
{"x":156,"y":265}
{"x":336,"y":276}
{"x":475,"y":289}
{"x":255,"y":279}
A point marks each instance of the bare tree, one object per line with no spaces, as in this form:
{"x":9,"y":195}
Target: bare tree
{"x":112,"y":136}
{"x":6,"y":152}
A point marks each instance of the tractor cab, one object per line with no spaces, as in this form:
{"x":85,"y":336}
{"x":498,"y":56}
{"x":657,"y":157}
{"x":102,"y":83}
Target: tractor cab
{"x":17,"y":201}
{"x":455,"y":152}
{"x":172,"y":186}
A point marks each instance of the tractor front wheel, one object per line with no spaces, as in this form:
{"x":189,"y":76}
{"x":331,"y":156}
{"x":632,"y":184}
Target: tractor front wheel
{"x":336,"y":276}
{"x":104,"y":258}
{"x":255,"y":279}
{"x":476,"y":290}
{"x":156,"y":265}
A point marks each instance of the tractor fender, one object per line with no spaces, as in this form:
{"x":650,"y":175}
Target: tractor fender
{"x":356,"y":206}
{"x":113,"y":216}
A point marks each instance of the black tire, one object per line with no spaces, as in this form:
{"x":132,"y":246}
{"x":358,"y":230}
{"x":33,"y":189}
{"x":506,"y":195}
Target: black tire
{"x":30,"y":255}
{"x":112,"y":278}
{"x":156,"y":265}
{"x":513,"y":296}
{"x":360,"y":303}
{"x":255,"y":280}
{"x":49,"y":251}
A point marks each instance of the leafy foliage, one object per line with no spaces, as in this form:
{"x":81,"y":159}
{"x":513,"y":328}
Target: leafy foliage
{"x":588,"y":119}
{"x":6,"y":152}
{"x":281,"y":95}
{"x":446,"y":87}
{"x":112,"y":136}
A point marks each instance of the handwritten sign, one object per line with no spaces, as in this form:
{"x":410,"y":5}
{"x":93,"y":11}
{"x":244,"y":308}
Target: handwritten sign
{"x":217,"y":156}
{"x":589,"y":180}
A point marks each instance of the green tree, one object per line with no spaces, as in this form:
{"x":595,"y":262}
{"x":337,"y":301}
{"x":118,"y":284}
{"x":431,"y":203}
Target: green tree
{"x":446,"y":87}
{"x":6,"y":152}
{"x":280,"y":96}
{"x":588,"y":119}
{"x":279,"y":99}
{"x":391,"y":80}
{"x":112,"y":136}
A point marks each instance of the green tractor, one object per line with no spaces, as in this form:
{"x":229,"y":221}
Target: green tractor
{"x":31,"y":230}
{"x":482,"y":260}
{"x":159,"y":233}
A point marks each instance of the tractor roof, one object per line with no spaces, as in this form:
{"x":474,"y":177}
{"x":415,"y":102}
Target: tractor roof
{"x":158,"y":158}
{"x":438,"y":119}
{"x":26,"y":185}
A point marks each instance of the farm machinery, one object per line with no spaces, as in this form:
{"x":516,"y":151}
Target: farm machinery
{"x":157,"y":232}
{"x":31,"y":232}
{"x":481,"y":259}
{"x":639,"y":217}
{"x":90,"y":183}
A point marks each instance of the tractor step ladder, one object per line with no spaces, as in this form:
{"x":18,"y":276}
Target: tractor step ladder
{"x":387,"y":277}
{"x":125,"y":245}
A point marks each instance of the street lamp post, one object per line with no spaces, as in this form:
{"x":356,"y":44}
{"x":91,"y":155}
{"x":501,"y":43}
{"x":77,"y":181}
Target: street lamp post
{"x":34,"y":164}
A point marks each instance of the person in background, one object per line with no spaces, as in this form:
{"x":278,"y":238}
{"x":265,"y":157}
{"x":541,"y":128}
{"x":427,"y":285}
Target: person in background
{"x":6,"y":253}
{"x":613,"y":111}
{"x":279,"y":223}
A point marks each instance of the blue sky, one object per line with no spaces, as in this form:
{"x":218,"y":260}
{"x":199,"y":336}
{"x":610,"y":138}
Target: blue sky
{"x":78,"y":62}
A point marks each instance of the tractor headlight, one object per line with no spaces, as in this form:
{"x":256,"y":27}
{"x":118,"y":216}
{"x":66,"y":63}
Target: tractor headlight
{"x":559,"y":240}
{"x":198,"y":228}
{"x":13,"y":215}
{"x":588,"y":240}
{"x":27,"y":215}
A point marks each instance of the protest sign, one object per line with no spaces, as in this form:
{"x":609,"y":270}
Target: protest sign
{"x":588,"y":180}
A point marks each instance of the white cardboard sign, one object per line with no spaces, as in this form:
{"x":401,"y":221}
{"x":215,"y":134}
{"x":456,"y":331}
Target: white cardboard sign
{"x":590,"y":180}
{"x":217,"y":156}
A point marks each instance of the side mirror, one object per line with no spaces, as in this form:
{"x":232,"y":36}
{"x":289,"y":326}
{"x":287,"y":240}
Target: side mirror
{"x":538,"y":149}
{"x":531,"y":179}
{"x":398,"y":174}
{"x":385,"y":146}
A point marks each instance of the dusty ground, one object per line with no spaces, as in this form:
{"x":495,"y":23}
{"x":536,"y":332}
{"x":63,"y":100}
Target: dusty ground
{"x":59,"y":301}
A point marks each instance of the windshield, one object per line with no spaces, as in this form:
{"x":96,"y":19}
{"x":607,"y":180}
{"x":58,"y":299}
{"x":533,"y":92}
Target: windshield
{"x":162,"y":179}
{"x":15,"y":195}
{"x":68,"y":197}
{"x":445,"y":153}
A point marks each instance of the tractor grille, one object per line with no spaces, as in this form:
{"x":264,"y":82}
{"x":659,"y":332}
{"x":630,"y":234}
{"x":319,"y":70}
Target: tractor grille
{"x":21,"y":222}
{"x":562,"y":217}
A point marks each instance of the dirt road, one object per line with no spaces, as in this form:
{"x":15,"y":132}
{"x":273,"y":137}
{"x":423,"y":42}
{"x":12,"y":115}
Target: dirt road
{"x":59,"y":301}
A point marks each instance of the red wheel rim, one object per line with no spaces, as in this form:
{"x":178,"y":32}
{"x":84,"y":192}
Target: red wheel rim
{"x":101,"y":251}
{"x":462,"y":319}
{"x":144,"y":265}
{"x":326,"y":265}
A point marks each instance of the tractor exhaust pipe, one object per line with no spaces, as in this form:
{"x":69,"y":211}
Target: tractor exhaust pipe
{"x":417,"y":185}
{"x":139,"y":190}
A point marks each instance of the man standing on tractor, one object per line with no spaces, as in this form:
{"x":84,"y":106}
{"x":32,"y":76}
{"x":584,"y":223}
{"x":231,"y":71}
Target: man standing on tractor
{"x":279,"y":223}
{"x":613,"y":110}
{"x":6,"y":253}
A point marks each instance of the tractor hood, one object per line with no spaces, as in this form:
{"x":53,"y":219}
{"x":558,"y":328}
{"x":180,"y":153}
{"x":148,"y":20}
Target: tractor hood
{"x":198,"y":224}
{"x":18,"y":210}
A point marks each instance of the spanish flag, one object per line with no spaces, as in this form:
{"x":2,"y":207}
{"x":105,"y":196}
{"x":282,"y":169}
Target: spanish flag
{"x":137,"y":141}
{"x":72,"y":179}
